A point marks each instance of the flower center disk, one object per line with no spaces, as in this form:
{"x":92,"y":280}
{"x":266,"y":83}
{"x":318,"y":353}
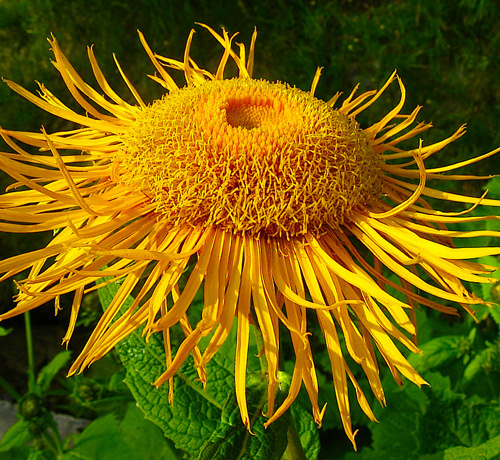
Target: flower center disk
{"x":250,"y":157}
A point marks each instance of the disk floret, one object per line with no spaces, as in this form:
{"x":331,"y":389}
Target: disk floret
{"x":250,"y":157}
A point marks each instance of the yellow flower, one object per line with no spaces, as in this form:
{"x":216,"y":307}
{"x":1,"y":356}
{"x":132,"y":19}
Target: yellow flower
{"x":272,"y":192}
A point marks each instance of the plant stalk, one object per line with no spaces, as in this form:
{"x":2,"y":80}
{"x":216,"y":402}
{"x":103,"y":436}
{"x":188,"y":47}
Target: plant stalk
{"x":294,"y":449}
{"x":29,"y":348}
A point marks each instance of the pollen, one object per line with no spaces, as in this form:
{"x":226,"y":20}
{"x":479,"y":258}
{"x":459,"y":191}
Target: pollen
{"x":249,"y":157}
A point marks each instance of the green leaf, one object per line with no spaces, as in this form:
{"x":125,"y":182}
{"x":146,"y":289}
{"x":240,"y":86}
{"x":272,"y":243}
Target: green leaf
{"x":430,"y":420}
{"x":475,"y":365}
{"x":493,"y":187}
{"x":49,"y":371}
{"x":490,"y":450}
{"x":116,"y":380}
{"x":101,"y":439}
{"x":437,"y":352}
{"x":231,"y":439}
{"x":397,"y":432}
{"x":144,"y":438}
{"x":487,"y":290}
{"x":134,"y":438}
{"x":194,"y":415}
{"x":451,"y":419}
{"x":17,"y":435}
{"x":18,"y":453}
{"x":4,"y":331}
{"x":308,"y":431}
{"x":197,"y":415}
{"x":145,"y":362}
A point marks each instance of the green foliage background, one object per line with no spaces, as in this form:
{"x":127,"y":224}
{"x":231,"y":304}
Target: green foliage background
{"x":446,"y":51}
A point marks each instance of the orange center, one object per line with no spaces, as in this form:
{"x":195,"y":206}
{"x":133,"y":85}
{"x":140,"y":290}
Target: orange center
{"x":249,"y":156}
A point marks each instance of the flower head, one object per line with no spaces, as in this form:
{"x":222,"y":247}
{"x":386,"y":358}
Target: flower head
{"x":250,"y":157}
{"x":273,"y":193}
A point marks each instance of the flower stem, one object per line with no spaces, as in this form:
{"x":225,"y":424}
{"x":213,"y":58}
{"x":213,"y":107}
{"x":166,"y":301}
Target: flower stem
{"x":294,"y":449}
{"x":53,"y":443}
{"x":29,"y":349}
{"x":56,"y":439}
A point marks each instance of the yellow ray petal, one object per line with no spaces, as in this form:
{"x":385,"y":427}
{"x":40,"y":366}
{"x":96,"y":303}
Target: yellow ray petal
{"x":264,"y":319}
{"x":338,"y":371}
{"x":229,"y":302}
{"x":242,"y":341}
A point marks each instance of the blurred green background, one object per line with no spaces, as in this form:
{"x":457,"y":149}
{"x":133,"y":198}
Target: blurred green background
{"x":446,"y":52}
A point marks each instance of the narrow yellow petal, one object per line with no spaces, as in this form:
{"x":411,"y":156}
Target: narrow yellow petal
{"x":229,"y":302}
{"x":167,"y":81}
{"x":242,"y":341}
